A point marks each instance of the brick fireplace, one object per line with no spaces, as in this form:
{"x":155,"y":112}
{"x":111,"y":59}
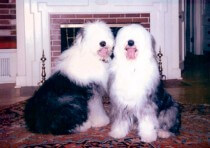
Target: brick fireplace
{"x":39,"y":22}
{"x":56,"y":20}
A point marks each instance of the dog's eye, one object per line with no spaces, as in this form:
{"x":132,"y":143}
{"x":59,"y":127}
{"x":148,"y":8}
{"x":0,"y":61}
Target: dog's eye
{"x":102,"y":43}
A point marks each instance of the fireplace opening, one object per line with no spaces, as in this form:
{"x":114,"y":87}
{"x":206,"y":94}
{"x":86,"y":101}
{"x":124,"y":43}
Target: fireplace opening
{"x":69,"y":32}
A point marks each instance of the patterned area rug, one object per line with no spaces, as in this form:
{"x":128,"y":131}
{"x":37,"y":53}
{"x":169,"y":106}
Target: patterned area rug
{"x":195,"y":132}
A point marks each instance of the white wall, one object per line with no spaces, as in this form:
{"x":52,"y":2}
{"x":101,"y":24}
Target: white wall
{"x":33,"y":30}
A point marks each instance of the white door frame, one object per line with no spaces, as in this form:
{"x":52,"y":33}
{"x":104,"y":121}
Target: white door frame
{"x":182,"y":34}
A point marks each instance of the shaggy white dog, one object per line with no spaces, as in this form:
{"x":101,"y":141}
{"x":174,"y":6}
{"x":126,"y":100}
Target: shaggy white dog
{"x":71,"y":99}
{"x":136,"y":92}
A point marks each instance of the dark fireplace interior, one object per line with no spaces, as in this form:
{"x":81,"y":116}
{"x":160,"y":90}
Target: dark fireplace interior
{"x":68,"y":35}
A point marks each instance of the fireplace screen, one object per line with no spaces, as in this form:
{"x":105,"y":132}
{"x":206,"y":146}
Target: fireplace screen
{"x":69,"y":32}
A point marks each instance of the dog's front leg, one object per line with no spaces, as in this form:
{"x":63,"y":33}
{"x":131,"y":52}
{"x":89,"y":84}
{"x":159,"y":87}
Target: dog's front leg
{"x":148,"y":124}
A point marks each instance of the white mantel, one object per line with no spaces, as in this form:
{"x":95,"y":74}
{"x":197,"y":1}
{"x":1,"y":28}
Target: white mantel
{"x":33,"y":30}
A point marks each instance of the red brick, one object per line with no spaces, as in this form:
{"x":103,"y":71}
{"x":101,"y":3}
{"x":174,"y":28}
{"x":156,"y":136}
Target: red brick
{"x":4,"y":1}
{"x":7,"y":16}
{"x":145,"y":14}
{"x":83,"y":15}
{"x":140,"y":20}
{"x":13,"y":11}
{"x":55,"y":37}
{"x":8,"y":45}
{"x":60,"y":21}
{"x":56,"y":42}
{"x":146,"y":25}
{"x":126,"y":20}
{"x":100,"y":15}
{"x":68,"y":16}
{"x":89,"y":20}
{"x":7,"y":38}
{"x":132,"y":15}
{"x":4,"y":22}
{"x":13,"y":32}
{"x":7,"y":6}
{"x":7,"y":27}
{"x":55,"y":16}
{"x":54,"y":58}
{"x":77,"y":21}
{"x":12,"y":1}
{"x":55,"y":26}
{"x":55,"y":54}
{"x":110,"y":21}
{"x":117,"y":15}
{"x":56,"y":32}
{"x":56,"y":48}
{"x":4,"y":11}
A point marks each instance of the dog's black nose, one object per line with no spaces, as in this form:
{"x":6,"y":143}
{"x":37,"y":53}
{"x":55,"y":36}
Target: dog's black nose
{"x":130,"y":42}
{"x":102,"y":43}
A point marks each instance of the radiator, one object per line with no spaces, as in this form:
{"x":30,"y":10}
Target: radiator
{"x":7,"y":66}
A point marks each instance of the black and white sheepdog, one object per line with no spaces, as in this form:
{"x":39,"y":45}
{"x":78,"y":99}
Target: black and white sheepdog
{"x":136,"y":91}
{"x":70,"y":100}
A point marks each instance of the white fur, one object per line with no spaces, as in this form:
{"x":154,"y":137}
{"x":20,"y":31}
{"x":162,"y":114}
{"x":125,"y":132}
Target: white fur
{"x":82,"y":63}
{"x":120,"y":129}
{"x":164,"y":134}
{"x":84,"y":127}
{"x":147,"y":130}
{"x":133,"y":79}
{"x":97,"y":115}
{"x":129,"y":74}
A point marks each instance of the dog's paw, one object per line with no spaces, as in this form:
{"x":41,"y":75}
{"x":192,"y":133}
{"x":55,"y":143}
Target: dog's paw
{"x":164,"y":134}
{"x":100,"y":121}
{"x":149,"y":136}
{"x":117,"y":134}
{"x":84,"y":127}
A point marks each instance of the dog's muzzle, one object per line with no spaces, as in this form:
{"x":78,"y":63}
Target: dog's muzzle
{"x":104,"y":54}
{"x":131,"y":50}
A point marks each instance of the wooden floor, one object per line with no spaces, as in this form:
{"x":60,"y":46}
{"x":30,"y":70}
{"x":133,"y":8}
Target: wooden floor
{"x":195,"y":86}
{"x":193,"y":89}
{"x":11,"y":95}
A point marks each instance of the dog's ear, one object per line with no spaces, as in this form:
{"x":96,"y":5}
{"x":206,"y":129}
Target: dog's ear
{"x":153,"y":42}
{"x":80,"y":36}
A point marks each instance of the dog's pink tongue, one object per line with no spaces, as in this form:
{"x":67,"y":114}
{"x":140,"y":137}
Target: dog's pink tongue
{"x":103,"y":52}
{"x":131,"y":53}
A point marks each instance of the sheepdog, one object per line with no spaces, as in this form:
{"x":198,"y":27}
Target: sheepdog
{"x":70,"y":100}
{"x":136,"y":91}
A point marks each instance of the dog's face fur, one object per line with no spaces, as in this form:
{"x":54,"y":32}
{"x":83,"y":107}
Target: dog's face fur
{"x":98,"y":38}
{"x":86,"y":61}
{"x":133,"y":43}
{"x":134,"y":70}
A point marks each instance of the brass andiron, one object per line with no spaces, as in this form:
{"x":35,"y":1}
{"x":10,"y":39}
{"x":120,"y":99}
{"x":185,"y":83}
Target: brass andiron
{"x":43,"y":74}
{"x":160,"y":67}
